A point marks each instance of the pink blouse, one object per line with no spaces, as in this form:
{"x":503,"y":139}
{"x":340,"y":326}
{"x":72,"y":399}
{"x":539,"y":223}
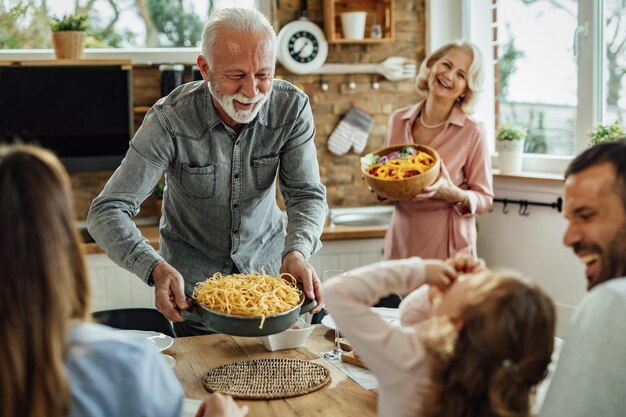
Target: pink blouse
{"x":435,"y":228}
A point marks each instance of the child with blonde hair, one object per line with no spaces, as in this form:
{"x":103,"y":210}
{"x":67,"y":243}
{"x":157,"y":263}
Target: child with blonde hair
{"x":471,"y":344}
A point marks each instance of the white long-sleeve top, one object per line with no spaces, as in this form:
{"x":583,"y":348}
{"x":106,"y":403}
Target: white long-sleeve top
{"x":395,"y":354}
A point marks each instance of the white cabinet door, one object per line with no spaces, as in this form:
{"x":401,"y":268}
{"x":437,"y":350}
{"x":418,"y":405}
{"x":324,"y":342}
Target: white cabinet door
{"x":114,"y":287}
{"x":347,"y":254}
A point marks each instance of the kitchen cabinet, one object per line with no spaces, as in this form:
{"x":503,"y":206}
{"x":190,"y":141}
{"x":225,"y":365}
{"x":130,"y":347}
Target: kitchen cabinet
{"x":114,"y":287}
{"x":347,"y":254}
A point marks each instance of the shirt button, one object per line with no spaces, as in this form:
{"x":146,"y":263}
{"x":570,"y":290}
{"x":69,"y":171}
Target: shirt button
{"x":235,"y":232}
{"x":235,"y":205}
{"x":236,"y":175}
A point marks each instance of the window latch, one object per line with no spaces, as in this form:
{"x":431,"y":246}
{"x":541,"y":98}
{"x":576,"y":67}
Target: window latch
{"x":581,"y":30}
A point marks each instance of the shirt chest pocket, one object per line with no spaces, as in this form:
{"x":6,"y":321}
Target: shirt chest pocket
{"x":199,"y":182}
{"x":264,"y":170}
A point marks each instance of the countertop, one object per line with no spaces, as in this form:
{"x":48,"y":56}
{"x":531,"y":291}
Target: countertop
{"x":330,"y":233}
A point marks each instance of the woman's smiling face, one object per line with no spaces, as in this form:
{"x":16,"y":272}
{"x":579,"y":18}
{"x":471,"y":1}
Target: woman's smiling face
{"x":448,"y":75}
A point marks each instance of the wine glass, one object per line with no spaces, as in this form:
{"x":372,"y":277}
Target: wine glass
{"x":337,"y":351}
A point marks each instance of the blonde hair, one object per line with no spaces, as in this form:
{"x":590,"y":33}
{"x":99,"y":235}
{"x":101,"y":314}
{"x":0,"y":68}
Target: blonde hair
{"x":44,"y":282}
{"x":498,"y":357}
{"x":475,"y":75}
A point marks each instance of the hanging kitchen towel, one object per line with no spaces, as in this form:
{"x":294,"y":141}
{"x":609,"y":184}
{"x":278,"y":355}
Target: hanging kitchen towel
{"x":351,"y":132}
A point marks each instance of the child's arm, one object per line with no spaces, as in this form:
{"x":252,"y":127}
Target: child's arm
{"x":383,"y":347}
{"x":416,"y":307}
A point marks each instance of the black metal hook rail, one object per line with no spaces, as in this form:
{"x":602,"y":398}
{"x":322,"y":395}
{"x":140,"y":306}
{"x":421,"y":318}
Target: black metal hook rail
{"x":523,"y":205}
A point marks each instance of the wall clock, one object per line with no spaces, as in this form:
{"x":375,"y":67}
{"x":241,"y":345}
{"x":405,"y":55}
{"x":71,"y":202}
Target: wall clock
{"x":302,"y":46}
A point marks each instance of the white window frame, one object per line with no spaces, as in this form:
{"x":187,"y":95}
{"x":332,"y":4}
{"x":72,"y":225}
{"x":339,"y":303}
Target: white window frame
{"x":449,"y":20}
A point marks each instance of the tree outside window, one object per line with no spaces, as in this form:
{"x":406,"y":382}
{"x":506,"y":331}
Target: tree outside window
{"x":112,"y":23}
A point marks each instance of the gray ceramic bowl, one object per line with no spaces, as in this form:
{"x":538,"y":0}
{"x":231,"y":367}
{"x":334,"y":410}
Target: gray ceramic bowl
{"x":248,"y":326}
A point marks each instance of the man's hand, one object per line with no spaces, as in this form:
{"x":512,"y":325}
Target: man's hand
{"x":220,"y":405}
{"x":169,"y":291}
{"x":295,"y":264}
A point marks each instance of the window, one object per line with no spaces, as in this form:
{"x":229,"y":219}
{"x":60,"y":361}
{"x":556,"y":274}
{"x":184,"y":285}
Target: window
{"x":115,"y":24}
{"x":536,"y":72}
{"x":557,"y":66}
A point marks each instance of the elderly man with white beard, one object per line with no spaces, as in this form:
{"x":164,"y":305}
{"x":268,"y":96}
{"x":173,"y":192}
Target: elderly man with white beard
{"x":221,"y":143}
{"x":590,"y":378}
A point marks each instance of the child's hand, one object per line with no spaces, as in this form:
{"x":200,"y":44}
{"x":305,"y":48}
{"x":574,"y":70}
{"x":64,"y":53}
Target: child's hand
{"x":439,"y":273}
{"x":464,"y":263}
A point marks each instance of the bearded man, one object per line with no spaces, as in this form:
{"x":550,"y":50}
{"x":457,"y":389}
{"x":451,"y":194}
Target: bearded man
{"x":590,"y":378}
{"x":221,"y":142}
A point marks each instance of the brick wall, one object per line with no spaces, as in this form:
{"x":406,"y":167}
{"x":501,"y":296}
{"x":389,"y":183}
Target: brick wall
{"x":340,"y":174}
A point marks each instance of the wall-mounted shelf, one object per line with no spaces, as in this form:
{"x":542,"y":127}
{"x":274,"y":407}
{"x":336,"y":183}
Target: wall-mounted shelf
{"x":378,"y":12}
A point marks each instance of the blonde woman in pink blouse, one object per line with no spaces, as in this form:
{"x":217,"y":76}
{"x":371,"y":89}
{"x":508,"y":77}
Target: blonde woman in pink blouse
{"x":440,"y":222}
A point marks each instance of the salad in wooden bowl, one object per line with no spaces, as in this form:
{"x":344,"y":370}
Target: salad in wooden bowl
{"x":400,"y":172}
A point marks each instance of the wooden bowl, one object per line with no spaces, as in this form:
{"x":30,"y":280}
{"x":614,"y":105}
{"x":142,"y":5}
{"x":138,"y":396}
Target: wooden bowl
{"x":404,"y":189}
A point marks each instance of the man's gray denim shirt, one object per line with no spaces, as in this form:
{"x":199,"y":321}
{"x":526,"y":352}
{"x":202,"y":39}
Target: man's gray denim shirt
{"x":219,"y":206}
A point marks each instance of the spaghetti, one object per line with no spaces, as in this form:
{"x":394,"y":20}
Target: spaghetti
{"x":250,"y":295}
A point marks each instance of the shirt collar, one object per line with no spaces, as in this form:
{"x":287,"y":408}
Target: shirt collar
{"x":457,"y":116}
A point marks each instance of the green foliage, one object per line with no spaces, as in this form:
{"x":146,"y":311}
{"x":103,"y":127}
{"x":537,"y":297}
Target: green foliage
{"x":536,"y":138}
{"x":159,"y":189}
{"x":23,"y":25}
{"x":511,"y":132}
{"x":507,"y":63}
{"x":177,"y":21}
{"x":605,"y":133}
{"x":69,"y":22}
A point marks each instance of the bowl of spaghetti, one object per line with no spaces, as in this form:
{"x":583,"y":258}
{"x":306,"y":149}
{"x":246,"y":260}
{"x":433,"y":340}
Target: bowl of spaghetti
{"x":255,"y":304}
{"x":400,"y":172}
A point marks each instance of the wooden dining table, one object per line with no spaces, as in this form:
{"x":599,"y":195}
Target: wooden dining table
{"x":195,"y":356}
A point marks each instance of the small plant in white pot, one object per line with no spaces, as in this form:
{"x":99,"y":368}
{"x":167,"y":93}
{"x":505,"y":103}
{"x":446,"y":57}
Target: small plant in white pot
{"x":510,"y":146}
{"x":68,"y":36}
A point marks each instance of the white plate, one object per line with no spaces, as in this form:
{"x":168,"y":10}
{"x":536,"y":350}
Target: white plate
{"x":160,"y":340}
{"x":391,"y":316}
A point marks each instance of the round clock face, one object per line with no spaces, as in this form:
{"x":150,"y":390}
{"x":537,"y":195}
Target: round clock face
{"x":302,"y":47}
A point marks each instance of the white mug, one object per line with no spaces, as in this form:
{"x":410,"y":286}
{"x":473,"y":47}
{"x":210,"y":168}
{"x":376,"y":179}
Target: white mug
{"x":353,"y":24}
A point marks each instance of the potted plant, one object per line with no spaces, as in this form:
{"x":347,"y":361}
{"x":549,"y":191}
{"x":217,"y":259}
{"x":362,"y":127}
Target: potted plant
{"x":158,"y":195}
{"x":510,"y":146}
{"x":605,"y":133}
{"x":68,"y":36}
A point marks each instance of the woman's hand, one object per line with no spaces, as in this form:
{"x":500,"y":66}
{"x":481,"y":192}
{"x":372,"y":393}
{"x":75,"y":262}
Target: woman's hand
{"x":219,"y":405}
{"x":442,"y":189}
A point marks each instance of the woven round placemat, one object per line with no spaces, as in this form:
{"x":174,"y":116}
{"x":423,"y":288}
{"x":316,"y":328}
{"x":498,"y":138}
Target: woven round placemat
{"x":264,"y":379}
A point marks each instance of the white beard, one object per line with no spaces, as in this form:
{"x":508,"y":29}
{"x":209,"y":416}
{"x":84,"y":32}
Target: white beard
{"x":240,"y":116}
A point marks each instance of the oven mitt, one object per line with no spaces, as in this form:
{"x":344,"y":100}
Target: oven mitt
{"x":351,"y":132}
